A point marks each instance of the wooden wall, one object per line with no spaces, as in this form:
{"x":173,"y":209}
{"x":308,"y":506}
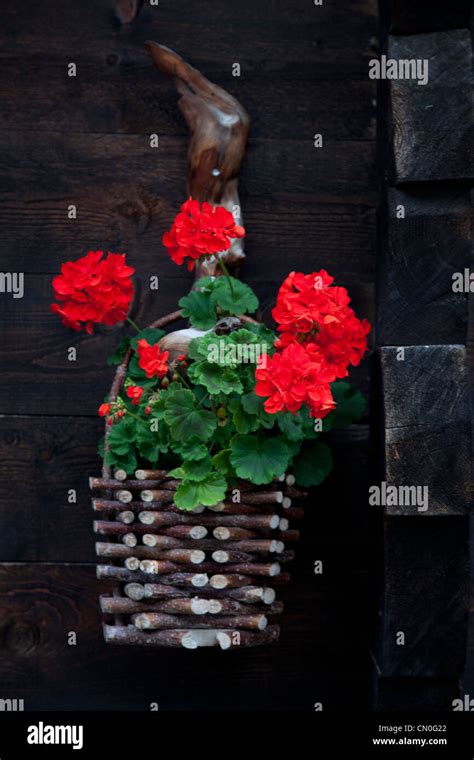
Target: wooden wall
{"x":85,"y":141}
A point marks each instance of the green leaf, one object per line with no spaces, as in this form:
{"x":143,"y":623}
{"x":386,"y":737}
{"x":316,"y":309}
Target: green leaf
{"x":191,"y":448}
{"x":313,"y":463}
{"x":244,"y":422}
{"x":197,"y":470}
{"x":177,"y":473}
{"x":185,"y":420}
{"x":119,"y":353}
{"x":223,"y":433}
{"x":158,"y":408}
{"x":291,"y":425}
{"x":350,"y":407}
{"x":199,"y":309}
{"x":258,"y":460}
{"x":127,"y":462}
{"x":221,"y":462}
{"x":240,"y":300}
{"x":121,"y":437}
{"x":265,"y":336}
{"x":214,"y":378}
{"x":151,"y":334}
{"x":253,"y":404}
{"x":151,"y":443}
{"x":207,"y":492}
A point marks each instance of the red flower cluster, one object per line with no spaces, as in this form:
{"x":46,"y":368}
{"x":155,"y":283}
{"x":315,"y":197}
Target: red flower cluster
{"x":104,"y":410}
{"x":294,"y":377}
{"x":317,"y":314}
{"x":151,"y":360}
{"x":93,"y":290}
{"x":135,"y":392}
{"x":199,"y":231}
{"x":320,"y":337}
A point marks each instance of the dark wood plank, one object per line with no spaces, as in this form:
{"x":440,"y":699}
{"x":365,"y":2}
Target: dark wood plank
{"x":123,"y":93}
{"x":427,"y":427}
{"x":279,"y":37}
{"x":56,"y":163}
{"x":426,"y":597}
{"x":421,"y":16}
{"x":41,"y":604}
{"x":432,"y":123}
{"x":42,"y":458}
{"x":421,"y":252}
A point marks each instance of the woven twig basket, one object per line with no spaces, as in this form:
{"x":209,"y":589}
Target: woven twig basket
{"x":190,"y":579}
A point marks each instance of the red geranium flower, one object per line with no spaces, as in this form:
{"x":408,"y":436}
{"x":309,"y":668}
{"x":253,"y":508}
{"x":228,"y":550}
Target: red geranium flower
{"x":93,"y":290}
{"x":135,"y":393}
{"x":294,"y":377}
{"x":315,"y":313}
{"x":200,"y":230}
{"x":152,"y":361}
{"x":104,"y":410}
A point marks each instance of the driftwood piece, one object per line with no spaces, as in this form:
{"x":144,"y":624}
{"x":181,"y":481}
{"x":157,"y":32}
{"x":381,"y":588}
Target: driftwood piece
{"x":219,"y":127}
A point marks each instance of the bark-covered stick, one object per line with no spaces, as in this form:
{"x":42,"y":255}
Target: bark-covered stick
{"x":263,"y":497}
{"x":124,"y":496}
{"x":228,"y":508}
{"x":153,"y":591}
{"x":233,"y":534}
{"x":128,"y":606}
{"x":132,"y":563}
{"x":126,"y":517}
{"x":151,"y":474}
{"x":161,"y":494}
{"x":186,"y":580}
{"x":193,"y":532}
{"x":193,"y":556}
{"x":238,"y":521}
{"x":130,"y":540}
{"x":158,"y":620}
{"x":223,"y":605}
{"x":111,"y":506}
{"x":118,"y":485}
{"x":134,"y":591}
{"x":193,"y":639}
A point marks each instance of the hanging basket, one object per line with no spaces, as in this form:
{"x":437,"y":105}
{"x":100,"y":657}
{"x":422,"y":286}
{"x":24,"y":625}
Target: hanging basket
{"x":204,"y":578}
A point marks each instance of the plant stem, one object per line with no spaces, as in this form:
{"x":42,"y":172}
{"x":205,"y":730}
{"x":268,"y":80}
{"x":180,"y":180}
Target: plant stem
{"x":131,"y":322}
{"x":226,"y":272}
{"x":184,"y":381}
{"x":135,"y":416}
